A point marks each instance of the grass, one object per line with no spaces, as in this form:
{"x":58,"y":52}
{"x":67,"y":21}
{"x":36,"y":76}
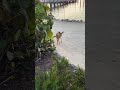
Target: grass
{"x":61,"y":77}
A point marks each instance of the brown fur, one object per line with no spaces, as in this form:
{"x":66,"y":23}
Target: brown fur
{"x":58,"y":37}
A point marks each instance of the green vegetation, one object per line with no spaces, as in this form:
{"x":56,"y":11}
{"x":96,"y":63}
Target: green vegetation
{"x":44,"y":22}
{"x":17,"y":34}
{"x":17,"y":42}
{"x":61,"y":77}
{"x":20,"y":38}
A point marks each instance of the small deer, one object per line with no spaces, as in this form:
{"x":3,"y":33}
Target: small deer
{"x":58,"y":37}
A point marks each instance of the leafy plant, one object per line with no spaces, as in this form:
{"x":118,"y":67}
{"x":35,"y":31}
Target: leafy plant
{"x":61,"y":77}
{"x":17,"y":34}
{"x":44,"y":34}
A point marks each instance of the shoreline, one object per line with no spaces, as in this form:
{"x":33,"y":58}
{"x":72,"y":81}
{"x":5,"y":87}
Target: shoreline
{"x":73,"y":41}
{"x":68,"y":20}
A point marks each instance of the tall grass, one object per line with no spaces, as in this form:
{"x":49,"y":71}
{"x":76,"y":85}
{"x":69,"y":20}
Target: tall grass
{"x":61,"y":77}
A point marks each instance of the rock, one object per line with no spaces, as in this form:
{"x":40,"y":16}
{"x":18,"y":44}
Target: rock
{"x":72,"y":67}
{"x":81,"y":20}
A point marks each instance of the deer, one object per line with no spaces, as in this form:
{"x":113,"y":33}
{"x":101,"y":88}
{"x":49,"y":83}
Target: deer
{"x":58,"y":37}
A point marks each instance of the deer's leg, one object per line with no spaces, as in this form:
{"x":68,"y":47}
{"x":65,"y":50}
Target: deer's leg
{"x":61,"y":40}
{"x":57,"y":41}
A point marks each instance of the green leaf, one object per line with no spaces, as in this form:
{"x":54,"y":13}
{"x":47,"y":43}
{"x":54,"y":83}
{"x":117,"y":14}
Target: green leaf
{"x":10,"y":55}
{"x":49,"y":34}
{"x":42,"y":49}
{"x":39,"y":9}
{"x":17,"y":35}
{"x":6,"y":5}
{"x":47,"y":8}
{"x":42,"y":40}
{"x":26,"y":32}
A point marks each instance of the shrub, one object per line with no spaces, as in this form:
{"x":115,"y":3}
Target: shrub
{"x":17,"y":34}
{"x":61,"y":77}
{"x":44,"y":34}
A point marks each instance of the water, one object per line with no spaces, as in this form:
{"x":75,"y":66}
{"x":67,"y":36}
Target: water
{"x":73,"y":11}
{"x":73,"y":46}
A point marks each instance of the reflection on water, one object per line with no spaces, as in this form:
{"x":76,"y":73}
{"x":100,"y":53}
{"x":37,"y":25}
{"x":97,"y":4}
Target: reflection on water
{"x":72,"y":11}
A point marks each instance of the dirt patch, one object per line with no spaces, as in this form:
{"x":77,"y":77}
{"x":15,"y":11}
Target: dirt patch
{"x":20,"y":79}
{"x":45,"y":62}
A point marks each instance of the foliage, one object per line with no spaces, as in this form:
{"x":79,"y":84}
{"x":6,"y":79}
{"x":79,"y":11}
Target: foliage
{"x":44,"y":34}
{"x":61,"y":77}
{"x":17,"y":33}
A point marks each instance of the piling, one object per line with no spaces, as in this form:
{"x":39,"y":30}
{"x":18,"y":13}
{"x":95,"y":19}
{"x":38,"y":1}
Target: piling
{"x":56,"y":3}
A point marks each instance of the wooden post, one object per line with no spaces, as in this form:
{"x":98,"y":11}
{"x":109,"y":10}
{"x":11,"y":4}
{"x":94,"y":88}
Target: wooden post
{"x":80,"y":3}
{"x":60,"y":3}
{"x":50,"y":5}
{"x":54,"y":4}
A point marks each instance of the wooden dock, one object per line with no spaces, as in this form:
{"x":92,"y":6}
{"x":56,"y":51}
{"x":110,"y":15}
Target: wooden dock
{"x":56,"y":3}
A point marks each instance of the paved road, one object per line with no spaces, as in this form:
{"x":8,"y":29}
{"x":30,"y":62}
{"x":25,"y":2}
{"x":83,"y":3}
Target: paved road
{"x":73,"y":46}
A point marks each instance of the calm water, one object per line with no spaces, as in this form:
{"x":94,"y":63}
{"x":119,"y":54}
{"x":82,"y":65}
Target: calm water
{"x":73,"y":46}
{"x":73,"y":11}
